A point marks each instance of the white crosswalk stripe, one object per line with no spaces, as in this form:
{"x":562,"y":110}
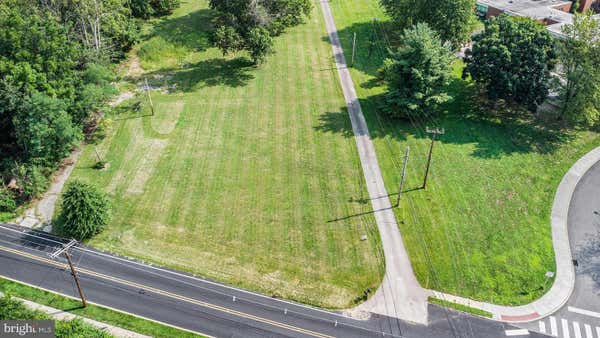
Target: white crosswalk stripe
{"x":553,"y":326}
{"x":565,"y":328}
{"x":577,"y":330}
{"x":588,"y":331}
{"x":542,"y":326}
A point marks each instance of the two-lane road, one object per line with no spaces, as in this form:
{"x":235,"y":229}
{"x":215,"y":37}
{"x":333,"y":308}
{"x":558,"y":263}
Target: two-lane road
{"x":201,"y":305}
{"x":580,"y":317}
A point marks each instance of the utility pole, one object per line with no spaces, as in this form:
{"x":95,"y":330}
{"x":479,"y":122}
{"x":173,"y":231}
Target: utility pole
{"x":149,"y":97}
{"x":403,"y":176}
{"x":353,"y":49}
{"x":98,"y":155}
{"x":65,"y":250}
{"x":433,"y":133}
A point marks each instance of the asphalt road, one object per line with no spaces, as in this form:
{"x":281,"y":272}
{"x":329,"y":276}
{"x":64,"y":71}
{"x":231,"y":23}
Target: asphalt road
{"x":580,"y":317}
{"x":201,"y":305}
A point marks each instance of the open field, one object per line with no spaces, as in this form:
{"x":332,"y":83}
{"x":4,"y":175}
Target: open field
{"x":482,"y":227}
{"x":235,"y":177}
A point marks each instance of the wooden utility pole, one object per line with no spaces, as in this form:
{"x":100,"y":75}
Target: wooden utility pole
{"x":98,"y":155}
{"x":74,"y":273}
{"x":433,"y":133}
{"x":65,"y":250}
{"x":353,"y":49}
{"x":403,"y":176}
{"x":149,"y":97}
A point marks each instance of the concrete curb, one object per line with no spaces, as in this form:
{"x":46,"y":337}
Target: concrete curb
{"x":564,"y":281}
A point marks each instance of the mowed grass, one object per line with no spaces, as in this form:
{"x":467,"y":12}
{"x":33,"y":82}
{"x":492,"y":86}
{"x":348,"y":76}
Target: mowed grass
{"x":482,"y":227}
{"x":235,"y":178}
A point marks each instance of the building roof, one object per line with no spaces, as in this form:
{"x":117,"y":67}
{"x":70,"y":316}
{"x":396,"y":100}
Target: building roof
{"x":543,"y":10}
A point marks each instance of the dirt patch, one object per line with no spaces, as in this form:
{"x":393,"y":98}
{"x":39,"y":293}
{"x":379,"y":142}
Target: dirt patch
{"x":167,"y":115}
{"x":146,"y":165}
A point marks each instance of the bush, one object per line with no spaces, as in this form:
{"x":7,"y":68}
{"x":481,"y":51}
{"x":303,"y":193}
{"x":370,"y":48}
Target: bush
{"x":85,"y":211}
{"x":31,"y":180}
{"x":7,"y":201}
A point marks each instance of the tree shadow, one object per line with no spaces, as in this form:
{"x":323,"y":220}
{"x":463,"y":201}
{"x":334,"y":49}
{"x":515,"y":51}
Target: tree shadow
{"x":191,"y":31}
{"x":207,"y":73}
{"x":587,"y":258}
{"x":494,"y":132}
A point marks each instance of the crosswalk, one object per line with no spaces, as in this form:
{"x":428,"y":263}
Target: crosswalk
{"x":561,"y":327}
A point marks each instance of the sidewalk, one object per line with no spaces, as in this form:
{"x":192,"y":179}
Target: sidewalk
{"x":400,"y":294}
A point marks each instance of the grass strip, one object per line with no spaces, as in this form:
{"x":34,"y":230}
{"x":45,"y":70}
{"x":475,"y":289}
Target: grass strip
{"x":95,"y":312}
{"x":459,"y":307}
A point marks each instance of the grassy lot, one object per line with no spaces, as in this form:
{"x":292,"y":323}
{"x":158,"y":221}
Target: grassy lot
{"x":91,"y":311}
{"x":482,"y":227}
{"x":235,"y":177}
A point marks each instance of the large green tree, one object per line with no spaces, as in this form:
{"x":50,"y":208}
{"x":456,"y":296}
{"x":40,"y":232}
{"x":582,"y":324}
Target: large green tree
{"x":579,"y":56}
{"x":250,"y":24}
{"x":417,"y":74}
{"x":452,"y":19}
{"x":512,"y":59}
{"x":85,"y":211}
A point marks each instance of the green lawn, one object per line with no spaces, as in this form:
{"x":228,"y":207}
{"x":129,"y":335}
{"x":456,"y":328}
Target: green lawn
{"x":238,"y":177}
{"x":482,"y":227}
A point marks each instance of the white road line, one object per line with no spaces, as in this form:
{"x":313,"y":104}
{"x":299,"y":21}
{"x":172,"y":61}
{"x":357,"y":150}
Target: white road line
{"x":577,"y":329}
{"x":542,"y":326}
{"x":519,"y":332}
{"x":598,"y":331}
{"x":588,"y":331}
{"x":553,"y":326}
{"x":565,"y":328}
{"x":584,"y":312}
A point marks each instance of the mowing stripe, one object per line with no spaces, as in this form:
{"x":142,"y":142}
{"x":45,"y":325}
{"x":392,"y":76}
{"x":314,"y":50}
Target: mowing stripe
{"x":168,"y":294}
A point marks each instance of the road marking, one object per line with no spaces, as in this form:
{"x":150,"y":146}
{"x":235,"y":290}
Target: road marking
{"x":577,"y":329}
{"x":169,"y":294}
{"x":519,"y":332}
{"x":542,"y":326}
{"x":553,"y":326}
{"x":584,"y":312}
{"x":565,"y":328}
{"x":588,"y":331}
{"x":598,"y":331}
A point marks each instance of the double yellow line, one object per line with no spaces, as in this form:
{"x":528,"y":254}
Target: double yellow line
{"x":168,"y":294}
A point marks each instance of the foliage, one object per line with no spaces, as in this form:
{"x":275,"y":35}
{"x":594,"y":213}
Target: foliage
{"x":452,"y":19}
{"x":227,"y":39}
{"x":512,"y":59}
{"x":7,"y":200}
{"x":249,"y":25}
{"x":30,"y":179}
{"x":417,"y":73}
{"x":259,"y":43}
{"x":579,"y":56}
{"x":85,"y":211}
{"x":148,"y":8}
{"x":45,"y":130}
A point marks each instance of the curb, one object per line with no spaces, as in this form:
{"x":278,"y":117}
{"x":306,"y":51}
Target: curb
{"x":564,"y":283}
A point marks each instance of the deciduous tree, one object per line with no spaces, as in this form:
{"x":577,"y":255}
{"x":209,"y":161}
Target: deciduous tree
{"x":512,"y":59}
{"x":579,"y":56}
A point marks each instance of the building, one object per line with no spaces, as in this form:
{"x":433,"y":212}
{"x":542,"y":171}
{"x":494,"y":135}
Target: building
{"x":553,"y":13}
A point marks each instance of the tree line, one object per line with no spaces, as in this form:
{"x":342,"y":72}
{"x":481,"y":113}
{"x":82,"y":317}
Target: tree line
{"x":513,"y":59}
{"x":56,"y":73}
